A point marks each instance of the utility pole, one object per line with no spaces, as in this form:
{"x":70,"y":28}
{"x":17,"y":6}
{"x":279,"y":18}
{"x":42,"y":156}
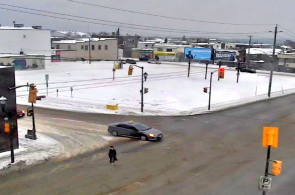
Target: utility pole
{"x":273,"y":58}
{"x":250,"y":39}
{"x":189,"y":67}
{"x":238,"y":72}
{"x":89,"y":49}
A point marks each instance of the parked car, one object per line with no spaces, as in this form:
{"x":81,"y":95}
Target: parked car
{"x":247,"y":70}
{"x":20,"y":113}
{"x":144,"y":58}
{"x":153,"y":61}
{"x":130,"y":61}
{"x":135,"y":130}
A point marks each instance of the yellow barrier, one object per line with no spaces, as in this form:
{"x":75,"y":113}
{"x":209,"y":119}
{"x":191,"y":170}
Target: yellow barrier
{"x":112,"y":107}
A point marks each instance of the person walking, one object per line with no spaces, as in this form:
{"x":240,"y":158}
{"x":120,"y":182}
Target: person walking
{"x":112,"y":155}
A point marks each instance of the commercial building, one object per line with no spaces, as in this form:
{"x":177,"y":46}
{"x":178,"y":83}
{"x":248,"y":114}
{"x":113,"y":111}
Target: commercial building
{"x":168,"y":52}
{"x":23,"y":61}
{"x":286,"y":62}
{"x":127,"y":42}
{"x":100,"y":49}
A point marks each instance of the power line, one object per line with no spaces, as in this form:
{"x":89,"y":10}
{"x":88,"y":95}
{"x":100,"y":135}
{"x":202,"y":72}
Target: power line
{"x":287,"y":30}
{"x":75,"y":16}
{"x":168,"y":17}
{"x":77,"y":20}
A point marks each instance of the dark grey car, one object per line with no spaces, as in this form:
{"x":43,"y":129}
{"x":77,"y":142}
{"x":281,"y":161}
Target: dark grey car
{"x":135,"y":130}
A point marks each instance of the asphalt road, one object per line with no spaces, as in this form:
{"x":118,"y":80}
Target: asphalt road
{"x":218,"y":153}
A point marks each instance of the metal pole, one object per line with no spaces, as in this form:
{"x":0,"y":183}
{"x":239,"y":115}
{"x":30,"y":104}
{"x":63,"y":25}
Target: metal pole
{"x":189,"y":68}
{"x":56,"y":92}
{"x":113,"y":74}
{"x":141,"y":89}
{"x":238,"y":72}
{"x":267,"y":165}
{"x":206,"y":71}
{"x":249,"y":50}
{"x":11,"y":143}
{"x":209,"y":106}
{"x":33,"y":119}
{"x":89,"y":55}
{"x":273,"y":58}
{"x":219,"y":64}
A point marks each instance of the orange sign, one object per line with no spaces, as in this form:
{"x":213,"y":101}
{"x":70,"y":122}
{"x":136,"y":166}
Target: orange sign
{"x":270,"y":137}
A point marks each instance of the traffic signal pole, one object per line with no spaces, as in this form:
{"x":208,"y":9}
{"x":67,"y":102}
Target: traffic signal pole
{"x":11,"y":143}
{"x":206,"y":71}
{"x":189,"y":68}
{"x":266,"y":166}
{"x":209,"y":106}
{"x":142,"y":89}
{"x":33,"y":120}
{"x":238,"y":72}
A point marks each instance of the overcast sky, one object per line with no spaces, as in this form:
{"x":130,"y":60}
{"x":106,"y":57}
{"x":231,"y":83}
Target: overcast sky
{"x":227,"y":11}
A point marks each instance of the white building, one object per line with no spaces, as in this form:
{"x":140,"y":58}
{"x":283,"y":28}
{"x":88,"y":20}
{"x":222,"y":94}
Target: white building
{"x":146,"y":45}
{"x":13,"y":40}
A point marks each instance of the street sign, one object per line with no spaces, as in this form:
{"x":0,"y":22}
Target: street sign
{"x":47,"y":77}
{"x":264,"y":183}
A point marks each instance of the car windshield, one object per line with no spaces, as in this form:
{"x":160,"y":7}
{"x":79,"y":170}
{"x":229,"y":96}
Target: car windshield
{"x":141,"y":127}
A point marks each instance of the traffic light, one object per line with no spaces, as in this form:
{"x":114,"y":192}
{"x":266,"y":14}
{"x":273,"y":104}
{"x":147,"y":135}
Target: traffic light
{"x":30,"y":112}
{"x":221,"y":73}
{"x":270,"y":137}
{"x":276,"y":167}
{"x":33,"y":94}
{"x":146,"y":90}
{"x":205,"y":89}
{"x":130,"y":70}
{"x":7,"y":128}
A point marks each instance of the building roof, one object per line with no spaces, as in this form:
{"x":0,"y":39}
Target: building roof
{"x":147,"y":42}
{"x":171,"y":46}
{"x":65,"y":42}
{"x":83,"y":40}
{"x":15,"y":28}
{"x":263,"y":51}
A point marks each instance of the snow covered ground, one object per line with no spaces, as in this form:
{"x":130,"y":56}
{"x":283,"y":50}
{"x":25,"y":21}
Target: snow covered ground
{"x":30,"y":152}
{"x":171,"y":92}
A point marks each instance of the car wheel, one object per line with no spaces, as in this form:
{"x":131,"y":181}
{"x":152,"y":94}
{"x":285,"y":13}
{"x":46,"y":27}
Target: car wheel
{"x":143,"y":138}
{"x":114,"y":133}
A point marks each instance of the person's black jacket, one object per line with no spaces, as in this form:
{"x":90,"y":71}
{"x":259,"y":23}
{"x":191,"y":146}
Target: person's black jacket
{"x":112,"y":152}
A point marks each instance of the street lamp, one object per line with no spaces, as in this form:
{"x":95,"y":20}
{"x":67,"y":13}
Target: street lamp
{"x":3,"y":101}
{"x":145,"y":76}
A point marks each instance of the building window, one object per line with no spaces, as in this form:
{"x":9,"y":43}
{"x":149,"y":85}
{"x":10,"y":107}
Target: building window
{"x":93,"y":47}
{"x":106,"y":47}
{"x":169,"y":50}
{"x":69,"y":47}
{"x":82,"y":47}
{"x":99,"y":47}
{"x":86,"y":47}
{"x":160,"y":49}
{"x":57,"y":46}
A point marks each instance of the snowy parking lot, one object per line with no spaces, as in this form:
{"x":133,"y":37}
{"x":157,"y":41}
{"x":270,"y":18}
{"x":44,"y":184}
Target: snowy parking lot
{"x":171,"y":92}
